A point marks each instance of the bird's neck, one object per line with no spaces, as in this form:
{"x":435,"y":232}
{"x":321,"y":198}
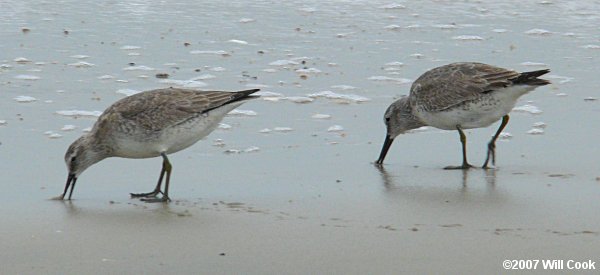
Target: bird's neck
{"x":408,"y":117}
{"x":412,"y":122}
{"x":98,"y":148}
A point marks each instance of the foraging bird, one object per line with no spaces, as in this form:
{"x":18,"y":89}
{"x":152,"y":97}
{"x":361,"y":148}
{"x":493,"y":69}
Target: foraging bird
{"x":460,"y":96}
{"x":151,"y":124}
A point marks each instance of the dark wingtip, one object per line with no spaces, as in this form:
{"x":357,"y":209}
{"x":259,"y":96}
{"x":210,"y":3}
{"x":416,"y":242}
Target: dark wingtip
{"x":531,"y":78}
{"x":239,"y":95}
{"x":247,"y":92}
{"x":533,"y":74}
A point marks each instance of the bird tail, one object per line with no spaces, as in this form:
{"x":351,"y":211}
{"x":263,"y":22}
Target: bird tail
{"x":244,"y":95}
{"x":247,"y":92}
{"x":531,"y":78}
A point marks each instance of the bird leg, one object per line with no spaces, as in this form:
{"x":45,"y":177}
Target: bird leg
{"x":492,"y":144}
{"x":166,"y":168}
{"x":463,"y":140}
{"x":156,"y":190}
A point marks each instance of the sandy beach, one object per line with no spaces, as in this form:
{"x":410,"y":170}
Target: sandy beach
{"x":287,"y":185}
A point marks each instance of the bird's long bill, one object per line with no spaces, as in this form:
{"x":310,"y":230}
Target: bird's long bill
{"x":386,"y":146}
{"x":70,"y":183}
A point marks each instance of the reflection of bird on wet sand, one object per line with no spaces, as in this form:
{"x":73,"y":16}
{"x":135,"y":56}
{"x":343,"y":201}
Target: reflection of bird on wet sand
{"x":392,"y":182}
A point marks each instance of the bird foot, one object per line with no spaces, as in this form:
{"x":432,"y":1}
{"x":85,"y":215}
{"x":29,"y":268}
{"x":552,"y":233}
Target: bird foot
{"x":146,"y":195}
{"x":486,"y":167}
{"x":155,"y":199}
{"x":465,"y":166}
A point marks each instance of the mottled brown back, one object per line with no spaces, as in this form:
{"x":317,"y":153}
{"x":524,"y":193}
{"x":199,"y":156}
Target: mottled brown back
{"x":157,"y":109}
{"x":447,"y":86}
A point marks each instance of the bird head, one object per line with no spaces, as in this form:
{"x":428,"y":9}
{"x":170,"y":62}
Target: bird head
{"x":398,"y":119}
{"x":79,"y":157}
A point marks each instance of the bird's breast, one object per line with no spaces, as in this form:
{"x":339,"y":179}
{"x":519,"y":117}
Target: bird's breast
{"x":470,"y":114}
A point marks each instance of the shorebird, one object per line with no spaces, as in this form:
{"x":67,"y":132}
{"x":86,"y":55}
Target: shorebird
{"x":460,"y":96}
{"x":151,"y":124}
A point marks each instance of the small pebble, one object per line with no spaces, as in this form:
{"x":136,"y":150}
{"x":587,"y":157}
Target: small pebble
{"x":162,"y":75}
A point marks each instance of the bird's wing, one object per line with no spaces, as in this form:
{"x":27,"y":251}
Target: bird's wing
{"x":447,"y":86}
{"x":158,"y":109}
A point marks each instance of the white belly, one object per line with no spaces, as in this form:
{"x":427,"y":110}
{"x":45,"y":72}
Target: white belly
{"x":476,"y":114}
{"x":175,"y":138}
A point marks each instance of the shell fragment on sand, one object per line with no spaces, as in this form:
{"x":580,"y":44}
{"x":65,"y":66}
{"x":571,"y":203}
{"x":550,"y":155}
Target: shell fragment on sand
{"x":238,"y":112}
{"x":344,"y":97}
{"x":25,"y":99}
{"x":527,"y":108}
{"x":79,"y":113}
{"x":335,"y":128}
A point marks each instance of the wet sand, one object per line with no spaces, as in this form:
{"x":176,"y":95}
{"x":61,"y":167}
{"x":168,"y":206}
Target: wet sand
{"x":307,"y":200}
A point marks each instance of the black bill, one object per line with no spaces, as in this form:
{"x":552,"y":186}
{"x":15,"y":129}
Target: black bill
{"x":70,"y":183}
{"x":386,"y":146}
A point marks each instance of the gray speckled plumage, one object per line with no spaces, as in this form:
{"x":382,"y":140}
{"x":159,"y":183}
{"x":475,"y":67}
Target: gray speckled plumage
{"x":460,"y":96}
{"x":152,"y":111}
{"x":445,"y":87}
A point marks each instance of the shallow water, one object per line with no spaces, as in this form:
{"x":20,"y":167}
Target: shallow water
{"x":308,"y":200}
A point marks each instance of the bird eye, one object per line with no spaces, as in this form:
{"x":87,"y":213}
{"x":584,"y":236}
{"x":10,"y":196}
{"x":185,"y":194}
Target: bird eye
{"x":72,"y":159}
{"x":387,"y":119}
